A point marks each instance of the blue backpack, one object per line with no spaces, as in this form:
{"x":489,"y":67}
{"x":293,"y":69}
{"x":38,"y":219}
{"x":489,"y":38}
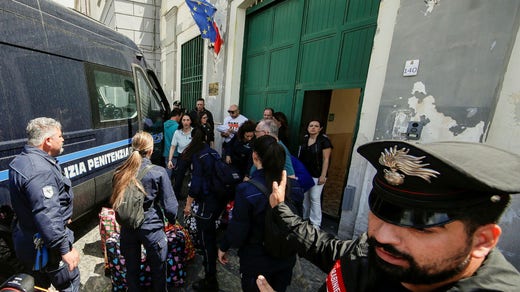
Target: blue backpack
{"x":223,"y":178}
{"x":304,"y":177}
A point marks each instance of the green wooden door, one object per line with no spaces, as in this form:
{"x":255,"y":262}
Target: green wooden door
{"x":271,"y":56}
{"x":297,"y":45}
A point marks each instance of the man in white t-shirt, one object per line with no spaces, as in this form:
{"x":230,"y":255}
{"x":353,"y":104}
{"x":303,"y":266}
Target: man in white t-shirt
{"x":231,"y":124}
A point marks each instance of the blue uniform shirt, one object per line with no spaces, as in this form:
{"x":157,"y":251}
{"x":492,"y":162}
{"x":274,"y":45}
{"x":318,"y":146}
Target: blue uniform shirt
{"x":159,"y":194}
{"x":41,"y":197}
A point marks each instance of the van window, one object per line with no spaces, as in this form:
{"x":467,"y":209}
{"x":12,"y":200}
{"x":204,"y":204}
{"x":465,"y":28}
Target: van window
{"x":152,"y":112}
{"x":150,"y":107}
{"x":115,"y":96}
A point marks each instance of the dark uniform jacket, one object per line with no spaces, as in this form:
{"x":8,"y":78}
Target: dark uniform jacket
{"x":246,"y":230}
{"x":202,"y":163}
{"x":349,"y":267}
{"x":159,"y":194}
{"x":41,"y":197}
{"x":240,"y":153}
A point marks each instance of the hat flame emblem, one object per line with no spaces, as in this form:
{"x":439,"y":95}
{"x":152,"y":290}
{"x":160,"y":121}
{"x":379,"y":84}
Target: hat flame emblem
{"x":399,"y":160}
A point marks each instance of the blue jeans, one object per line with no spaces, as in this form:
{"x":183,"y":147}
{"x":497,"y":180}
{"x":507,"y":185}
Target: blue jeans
{"x":168,"y":170}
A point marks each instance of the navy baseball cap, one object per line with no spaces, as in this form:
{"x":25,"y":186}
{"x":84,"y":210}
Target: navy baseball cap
{"x":423,"y":185}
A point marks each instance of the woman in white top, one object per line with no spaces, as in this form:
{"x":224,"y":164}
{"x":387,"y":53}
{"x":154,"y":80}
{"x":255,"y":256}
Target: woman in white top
{"x":181,"y":139}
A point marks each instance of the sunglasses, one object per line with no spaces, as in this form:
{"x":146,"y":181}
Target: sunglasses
{"x":231,"y":112}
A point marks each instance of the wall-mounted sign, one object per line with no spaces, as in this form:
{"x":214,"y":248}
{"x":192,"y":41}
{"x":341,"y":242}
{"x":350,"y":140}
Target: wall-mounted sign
{"x":213,"y":89}
{"x":411,"y":67}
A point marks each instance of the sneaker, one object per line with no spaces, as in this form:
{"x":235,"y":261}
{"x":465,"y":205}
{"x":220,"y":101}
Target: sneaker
{"x":207,"y":284}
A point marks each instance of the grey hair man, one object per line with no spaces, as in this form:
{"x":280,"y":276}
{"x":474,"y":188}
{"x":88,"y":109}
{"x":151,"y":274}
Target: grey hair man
{"x":42,"y":197}
{"x":269,"y":127}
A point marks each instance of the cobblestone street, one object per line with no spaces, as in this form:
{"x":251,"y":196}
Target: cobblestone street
{"x":306,"y":277}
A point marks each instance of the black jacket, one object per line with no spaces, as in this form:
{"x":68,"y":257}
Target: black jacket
{"x":246,"y":230}
{"x":195,"y":117}
{"x":240,"y":153}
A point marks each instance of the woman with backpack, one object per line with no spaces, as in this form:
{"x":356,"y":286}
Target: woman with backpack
{"x":210,"y":206}
{"x":246,"y":229}
{"x":156,"y":184}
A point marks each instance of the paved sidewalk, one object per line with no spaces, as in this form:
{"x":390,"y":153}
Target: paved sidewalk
{"x":306,"y":277}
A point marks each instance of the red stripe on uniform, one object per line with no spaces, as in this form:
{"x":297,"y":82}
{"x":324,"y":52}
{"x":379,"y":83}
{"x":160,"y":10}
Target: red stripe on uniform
{"x":335,"y":279}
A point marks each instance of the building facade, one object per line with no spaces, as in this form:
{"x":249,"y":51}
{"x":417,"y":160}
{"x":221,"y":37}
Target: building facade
{"x":139,"y":20}
{"x":393,"y":69}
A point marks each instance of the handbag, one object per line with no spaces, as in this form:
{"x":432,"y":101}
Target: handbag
{"x":177,"y":228}
{"x":107,"y":228}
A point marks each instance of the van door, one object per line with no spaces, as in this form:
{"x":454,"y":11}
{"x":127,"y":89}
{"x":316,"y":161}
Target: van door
{"x":152,"y":109}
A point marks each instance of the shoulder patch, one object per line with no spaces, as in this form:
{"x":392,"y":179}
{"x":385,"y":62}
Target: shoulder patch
{"x":48,"y":191}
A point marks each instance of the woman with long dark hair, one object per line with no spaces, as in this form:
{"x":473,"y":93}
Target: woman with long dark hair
{"x":202,"y":158}
{"x":159,"y":195}
{"x":246,"y":227}
{"x":181,"y":139}
{"x":207,"y":128}
{"x":283,"y":126}
{"x":314,"y":153}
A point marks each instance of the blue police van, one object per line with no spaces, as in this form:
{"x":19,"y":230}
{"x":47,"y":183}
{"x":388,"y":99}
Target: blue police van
{"x":58,"y":63}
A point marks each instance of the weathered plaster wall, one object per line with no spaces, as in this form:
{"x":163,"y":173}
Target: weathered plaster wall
{"x":463,"y":48}
{"x":504,"y":132}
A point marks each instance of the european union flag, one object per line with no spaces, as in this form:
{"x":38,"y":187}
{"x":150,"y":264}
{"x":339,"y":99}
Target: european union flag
{"x":202,"y":12}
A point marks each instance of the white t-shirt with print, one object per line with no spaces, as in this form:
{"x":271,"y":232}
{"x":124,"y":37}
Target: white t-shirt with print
{"x":234,"y":124}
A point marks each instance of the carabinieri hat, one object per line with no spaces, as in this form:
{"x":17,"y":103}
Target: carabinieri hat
{"x":423,"y":185}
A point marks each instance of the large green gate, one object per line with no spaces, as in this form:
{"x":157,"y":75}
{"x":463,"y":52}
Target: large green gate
{"x":297,"y":45}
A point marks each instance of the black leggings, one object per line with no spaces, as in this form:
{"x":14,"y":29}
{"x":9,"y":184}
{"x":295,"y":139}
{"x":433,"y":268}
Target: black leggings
{"x":208,"y":212}
{"x":180,"y":171}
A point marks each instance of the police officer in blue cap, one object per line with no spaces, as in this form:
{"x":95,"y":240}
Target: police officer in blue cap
{"x":41,"y":197}
{"x":432,"y":224}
